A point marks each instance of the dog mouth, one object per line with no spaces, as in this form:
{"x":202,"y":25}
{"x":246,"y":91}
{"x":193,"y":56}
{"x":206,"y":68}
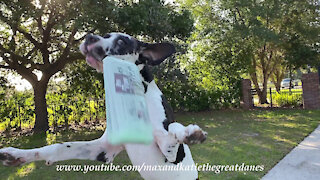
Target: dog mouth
{"x":89,"y":52}
{"x":92,"y":58}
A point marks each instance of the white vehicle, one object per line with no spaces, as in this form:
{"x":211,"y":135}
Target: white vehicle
{"x":285,"y":83}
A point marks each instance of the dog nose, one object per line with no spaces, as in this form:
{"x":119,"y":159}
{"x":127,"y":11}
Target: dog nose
{"x":90,"y":39}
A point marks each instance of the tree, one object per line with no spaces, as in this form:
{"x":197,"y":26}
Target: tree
{"x":43,"y":36}
{"x":286,"y":31}
{"x":278,"y":74}
{"x":216,"y":55}
{"x":265,"y":33}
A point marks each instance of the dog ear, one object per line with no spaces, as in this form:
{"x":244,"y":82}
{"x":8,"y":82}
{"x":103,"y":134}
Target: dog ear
{"x":156,"y":53}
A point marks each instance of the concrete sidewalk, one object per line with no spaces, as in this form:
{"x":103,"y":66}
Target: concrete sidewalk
{"x":302,"y":163}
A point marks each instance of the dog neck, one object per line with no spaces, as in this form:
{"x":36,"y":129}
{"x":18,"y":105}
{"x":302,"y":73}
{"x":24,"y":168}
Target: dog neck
{"x":146,"y":76}
{"x":153,"y":89}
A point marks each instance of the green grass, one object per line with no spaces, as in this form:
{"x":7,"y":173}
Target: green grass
{"x":251,"y":137}
{"x":288,"y":90}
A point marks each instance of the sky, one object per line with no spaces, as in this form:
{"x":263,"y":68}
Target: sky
{"x":22,"y":84}
{"x":19,"y":83}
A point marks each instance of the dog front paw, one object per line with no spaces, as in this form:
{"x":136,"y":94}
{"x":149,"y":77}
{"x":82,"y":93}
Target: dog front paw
{"x":8,"y":157}
{"x":195,"y":135}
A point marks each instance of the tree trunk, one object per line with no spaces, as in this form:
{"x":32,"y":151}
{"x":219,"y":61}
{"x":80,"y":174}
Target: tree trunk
{"x":277,"y":76}
{"x":41,"y":122}
{"x":262,"y":94}
{"x":276,"y":80}
{"x":263,"y":97}
{"x":290,"y":75}
{"x":278,"y":86}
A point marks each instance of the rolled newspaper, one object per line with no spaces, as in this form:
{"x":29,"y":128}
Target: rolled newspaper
{"x":127,"y":112}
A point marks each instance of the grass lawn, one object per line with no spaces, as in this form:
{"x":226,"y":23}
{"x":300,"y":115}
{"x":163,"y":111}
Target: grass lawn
{"x":256,"y":137}
{"x":298,"y":90}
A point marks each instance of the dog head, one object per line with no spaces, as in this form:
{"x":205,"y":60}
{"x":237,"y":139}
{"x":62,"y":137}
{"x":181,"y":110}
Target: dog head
{"x":124,"y":47}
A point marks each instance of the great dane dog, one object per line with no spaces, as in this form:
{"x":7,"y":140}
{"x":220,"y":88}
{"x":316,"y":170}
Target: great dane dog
{"x":171,"y":139}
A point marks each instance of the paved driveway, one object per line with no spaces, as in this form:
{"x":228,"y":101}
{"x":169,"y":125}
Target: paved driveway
{"x":302,"y":163}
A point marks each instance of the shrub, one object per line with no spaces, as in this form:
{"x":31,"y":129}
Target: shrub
{"x":186,"y":96}
{"x":286,"y":99}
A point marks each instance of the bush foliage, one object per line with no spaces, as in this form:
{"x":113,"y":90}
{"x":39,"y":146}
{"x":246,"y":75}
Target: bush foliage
{"x":190,"y":97}
{"x":286,"y":99}
{"x":17,"y":109}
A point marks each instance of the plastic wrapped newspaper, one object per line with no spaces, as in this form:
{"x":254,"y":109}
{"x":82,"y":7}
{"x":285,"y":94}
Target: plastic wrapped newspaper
{"x":127,"y":112}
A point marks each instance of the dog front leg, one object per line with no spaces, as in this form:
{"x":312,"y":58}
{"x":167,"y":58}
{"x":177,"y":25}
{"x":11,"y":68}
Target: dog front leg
{"x":98,"y":149}
{"x":191,"y":134}
{"x":177,"y":134}
{"x":167,"y":143}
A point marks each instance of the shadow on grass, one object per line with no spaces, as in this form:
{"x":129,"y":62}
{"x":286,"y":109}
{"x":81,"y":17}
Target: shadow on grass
{"x":38,"y":170}
{"x":250,"y":137}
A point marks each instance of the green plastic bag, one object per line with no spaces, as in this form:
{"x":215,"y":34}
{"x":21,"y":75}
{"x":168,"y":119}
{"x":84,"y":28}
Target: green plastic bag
{"x":127,"y":112}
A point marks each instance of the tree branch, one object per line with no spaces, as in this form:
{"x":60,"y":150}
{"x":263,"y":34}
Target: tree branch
{"x":29,"y":37}
{"x":15,"y":57}
{"x":62,"y":61}
{"x":75,"y":56}
{"x":20,"y":69}
{"x":5,"y":67}
{"x":30,"y":52}
{"x":82,"y":38}
{"x":66,"y":57}
{"x":40,"y":67}
{"x":4,"y":19}
{"x":52,"y":21}
{"x":253,"y":76}
{"x":5,"y":58}
{"x":240,"y":17}
{"x":39,"y":21}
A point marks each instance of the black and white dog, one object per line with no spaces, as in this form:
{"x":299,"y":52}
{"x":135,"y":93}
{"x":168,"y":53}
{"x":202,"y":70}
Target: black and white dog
{"x":170,"y":138}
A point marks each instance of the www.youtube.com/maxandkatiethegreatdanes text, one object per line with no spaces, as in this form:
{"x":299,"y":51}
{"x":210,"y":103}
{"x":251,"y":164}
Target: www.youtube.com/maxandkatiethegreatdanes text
{"x":199,"y":167}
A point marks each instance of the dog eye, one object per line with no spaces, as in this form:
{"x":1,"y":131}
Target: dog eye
{"x":121,"y":42}
{"x":100,"y":51}
{"x":106,"y":36}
